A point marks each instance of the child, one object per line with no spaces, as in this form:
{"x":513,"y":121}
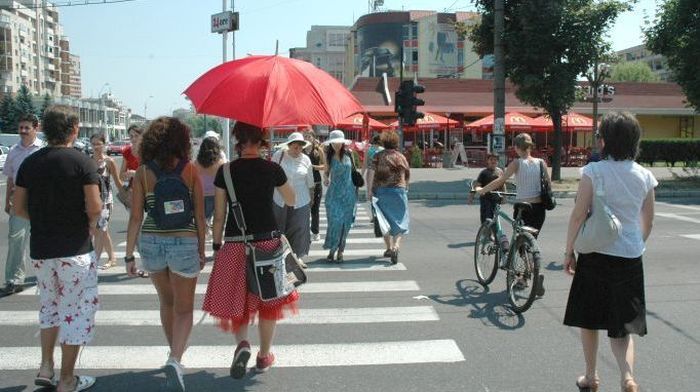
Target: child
{"x":490,"y":173}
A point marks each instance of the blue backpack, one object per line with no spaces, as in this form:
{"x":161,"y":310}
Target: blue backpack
{"x":173,"y":207}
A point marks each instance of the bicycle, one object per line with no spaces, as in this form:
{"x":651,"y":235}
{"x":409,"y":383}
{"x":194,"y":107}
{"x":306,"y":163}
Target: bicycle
{"x":522,"y":256}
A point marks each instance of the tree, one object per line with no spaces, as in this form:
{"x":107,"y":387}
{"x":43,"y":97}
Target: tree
{"x":548,"y":45}
{"x":23,"y":102}
{"x":200,"y":124}
{"x":675,"y":33}
{"x":8,"y":116}
{"x":44,"y":105}
{"x":633,"y":71}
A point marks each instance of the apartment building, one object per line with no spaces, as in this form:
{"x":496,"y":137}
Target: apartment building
{"x":656,"y":62}
{"x":34,"y":51}
{"x":325,"y":48}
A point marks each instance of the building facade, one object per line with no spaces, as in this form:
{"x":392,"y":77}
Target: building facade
{"x":656,"y":62}
{"x":106,"y":115}
{"x":325,"y":48}
{"x":425,"y":40}
{"x":33,"y":50}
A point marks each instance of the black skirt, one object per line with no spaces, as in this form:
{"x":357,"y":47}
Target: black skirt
{"x":608,"y":293}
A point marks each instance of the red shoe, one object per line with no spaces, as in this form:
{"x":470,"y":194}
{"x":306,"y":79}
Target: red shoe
{"x":265,"y":363}
{"x":240,"y":360}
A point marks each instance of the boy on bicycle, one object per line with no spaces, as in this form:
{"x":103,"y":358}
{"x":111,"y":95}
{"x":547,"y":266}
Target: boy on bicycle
{"x":490,"y":173}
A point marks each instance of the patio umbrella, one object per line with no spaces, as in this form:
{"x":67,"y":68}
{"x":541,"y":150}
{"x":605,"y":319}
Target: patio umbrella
{"x":429,"y":121}
{"x":266,"y":91}
{"x":514,"y":121}
{"x":354,"y":122}
{"x":570,"y":122}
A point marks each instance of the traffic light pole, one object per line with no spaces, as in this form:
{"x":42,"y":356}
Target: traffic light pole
{"x":499,"y":84}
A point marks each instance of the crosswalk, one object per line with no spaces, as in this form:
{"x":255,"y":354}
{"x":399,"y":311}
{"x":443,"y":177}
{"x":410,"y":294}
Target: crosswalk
{"x":360,"y":284}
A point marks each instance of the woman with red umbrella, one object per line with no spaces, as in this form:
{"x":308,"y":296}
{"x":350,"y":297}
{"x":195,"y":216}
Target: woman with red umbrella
{"x":228,"y":298}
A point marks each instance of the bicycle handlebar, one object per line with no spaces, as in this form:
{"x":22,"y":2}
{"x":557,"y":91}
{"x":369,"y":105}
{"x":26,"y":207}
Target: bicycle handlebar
{"x":499,"y":193}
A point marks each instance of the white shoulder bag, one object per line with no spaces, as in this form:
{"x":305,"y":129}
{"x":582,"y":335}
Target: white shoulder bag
{"x":601,"y":227}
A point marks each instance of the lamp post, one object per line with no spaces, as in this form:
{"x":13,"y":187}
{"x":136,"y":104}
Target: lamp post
{"x":103,"y":109}
{"x":145,"y":107}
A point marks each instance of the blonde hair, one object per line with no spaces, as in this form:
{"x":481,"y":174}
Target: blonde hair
{"x":523,"y":141}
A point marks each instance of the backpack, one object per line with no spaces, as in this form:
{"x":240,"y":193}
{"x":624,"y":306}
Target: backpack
{"x":173,"y":207}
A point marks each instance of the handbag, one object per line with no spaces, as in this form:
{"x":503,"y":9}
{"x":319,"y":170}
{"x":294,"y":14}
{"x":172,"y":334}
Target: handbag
{"x":546,"y":194}
{"x":357,"y":179}
{"x":601,"y":227}
{"x":270,"y":274}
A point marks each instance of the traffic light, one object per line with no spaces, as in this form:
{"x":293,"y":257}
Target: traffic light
{"x":407,"y":102}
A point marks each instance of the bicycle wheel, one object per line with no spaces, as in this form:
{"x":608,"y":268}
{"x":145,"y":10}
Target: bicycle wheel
{"x":486,"y":254}
{"x":523,"y":273}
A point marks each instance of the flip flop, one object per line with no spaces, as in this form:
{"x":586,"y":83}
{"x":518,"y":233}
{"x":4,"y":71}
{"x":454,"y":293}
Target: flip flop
{"x":45,"y":381}
{"x":142,"y":274}
{"x":83,"y":382}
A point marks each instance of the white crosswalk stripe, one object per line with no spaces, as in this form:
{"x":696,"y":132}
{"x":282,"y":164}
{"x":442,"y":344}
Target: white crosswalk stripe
{"x":363,"y":256}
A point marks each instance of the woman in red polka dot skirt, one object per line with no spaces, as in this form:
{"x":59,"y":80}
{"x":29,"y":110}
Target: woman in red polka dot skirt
{"x":228,"y":299}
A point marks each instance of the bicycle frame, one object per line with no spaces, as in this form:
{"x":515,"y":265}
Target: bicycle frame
{"x":516,"y":224}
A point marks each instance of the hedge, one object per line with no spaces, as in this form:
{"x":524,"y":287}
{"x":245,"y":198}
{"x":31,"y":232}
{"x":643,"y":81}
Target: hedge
{"x":669,"y":151}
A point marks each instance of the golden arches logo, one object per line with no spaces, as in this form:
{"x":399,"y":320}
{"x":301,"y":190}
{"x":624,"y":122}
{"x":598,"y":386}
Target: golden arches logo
{"x":518,"y":120}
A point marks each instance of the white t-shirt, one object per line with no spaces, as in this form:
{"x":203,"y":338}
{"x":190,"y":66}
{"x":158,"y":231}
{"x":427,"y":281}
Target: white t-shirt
{"x":299,"y":174}
{"x":528,"y":179}
{"x":626,"y":185}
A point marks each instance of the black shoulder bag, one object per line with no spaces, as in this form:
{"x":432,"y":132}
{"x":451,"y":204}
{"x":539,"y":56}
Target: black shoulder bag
{"x":357,"y":179}
{"x":546,"y":193}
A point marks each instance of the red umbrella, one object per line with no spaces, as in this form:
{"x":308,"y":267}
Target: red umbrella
{"x":430,"y":121}
{"x":514,"y":121}
{"x":354,"y":122}
{"x":266,"y":91}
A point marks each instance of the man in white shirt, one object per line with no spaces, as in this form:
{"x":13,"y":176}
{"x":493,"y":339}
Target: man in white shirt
{"x":18,"y":233}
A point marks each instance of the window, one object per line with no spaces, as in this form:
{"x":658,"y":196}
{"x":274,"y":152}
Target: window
{"x":414,"y":57}
{"x":336,"y":39}
{"x":414,"y":30}
{"x":405,"y":32}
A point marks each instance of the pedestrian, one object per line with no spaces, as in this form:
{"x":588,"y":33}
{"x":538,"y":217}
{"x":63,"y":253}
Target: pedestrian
{"x":318,"y":162}
{"x":229,"y":299}
{"x":607,"y":292}
{"x":106,"y":168}
{"x":390,"y":186}
{"x":130,"y":160}
{"x":368,"y":166}
{"x":294,"y":221}
{"x":60,"y":247}
{"x":528,"y":181}
{"x":209,"y":159}
{"x":171,"y":238}
{"x":341,"y":195}
{"x":487,"y":203}
{"x":18,"y":227}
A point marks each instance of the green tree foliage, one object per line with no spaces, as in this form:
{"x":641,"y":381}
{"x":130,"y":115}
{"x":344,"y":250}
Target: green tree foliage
{"x":548,"y":45}
{"x":23,"y":101}
{"x":200,"y":124}
{"x":8,"y":116}
{"x":675,"y":33}
{"x":634,"y":71}
{"x":44,"y":105}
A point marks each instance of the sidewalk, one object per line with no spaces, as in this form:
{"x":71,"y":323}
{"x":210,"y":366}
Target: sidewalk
{"x":451,"y":184}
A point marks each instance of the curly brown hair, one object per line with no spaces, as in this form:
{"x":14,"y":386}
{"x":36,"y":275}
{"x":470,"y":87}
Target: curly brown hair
{"x":165,"y":140}
{"x":390,"y":140}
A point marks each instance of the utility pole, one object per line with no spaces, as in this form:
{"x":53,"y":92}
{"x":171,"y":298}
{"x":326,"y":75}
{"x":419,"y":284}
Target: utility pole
{"x":499,"y":84}
{"x":225,"y":131}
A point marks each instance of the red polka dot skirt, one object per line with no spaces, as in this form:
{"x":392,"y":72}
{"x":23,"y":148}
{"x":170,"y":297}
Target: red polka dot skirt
{"x":228,"y":299}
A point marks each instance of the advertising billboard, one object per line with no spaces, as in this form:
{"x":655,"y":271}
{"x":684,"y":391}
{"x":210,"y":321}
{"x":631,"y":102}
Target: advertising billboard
{"x":442,"y":49}
{"x":379,"y":49}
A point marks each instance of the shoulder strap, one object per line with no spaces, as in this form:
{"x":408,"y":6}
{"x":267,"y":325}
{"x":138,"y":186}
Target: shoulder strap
{"x":352,"y":160}
{"x":154,"y":168}
{"x":180,"y":166}
{"x":235,"y":205}
{"x":279,"y":162}
{"x":597,"y":181}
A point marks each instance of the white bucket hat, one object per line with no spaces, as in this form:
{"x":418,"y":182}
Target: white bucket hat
{"x":296,"y":137}
{"x":337,"y":136}
{"x":212,"y":134}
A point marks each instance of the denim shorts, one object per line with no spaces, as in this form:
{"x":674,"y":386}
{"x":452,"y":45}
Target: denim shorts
{"x":179,"y":254}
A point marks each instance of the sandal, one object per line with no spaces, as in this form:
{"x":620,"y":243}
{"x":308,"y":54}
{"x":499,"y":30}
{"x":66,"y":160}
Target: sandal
{"x":395,"y":256}
{"x":630,"y":386}
{"x":330,"y":258}
{"x":46,"y":382}
{"x":109,"y":264}
{"x":339,"y":258}
{"x":586,"y":385}
{"x":142,"y":273}
{"x":83,"y":382}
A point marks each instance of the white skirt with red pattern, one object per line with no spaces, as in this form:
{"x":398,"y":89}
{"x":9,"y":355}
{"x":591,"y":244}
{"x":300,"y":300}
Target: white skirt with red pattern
{"x":228,"y":300}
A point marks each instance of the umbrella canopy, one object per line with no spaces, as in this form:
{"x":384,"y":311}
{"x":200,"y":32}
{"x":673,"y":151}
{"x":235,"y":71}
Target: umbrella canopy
{"x":570,"y":122}
{"x":514,"y":122}
{"x":430,"y":121}
{"x":354,"y":122}
{"x":267,"y":91}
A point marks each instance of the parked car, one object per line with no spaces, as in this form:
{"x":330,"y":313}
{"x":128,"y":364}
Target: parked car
{"x":117,"y":147}
{"x":9,"y":139}
{"x":3,"y":156}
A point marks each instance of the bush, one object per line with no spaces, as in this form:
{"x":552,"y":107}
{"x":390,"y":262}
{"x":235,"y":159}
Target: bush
{"x":416,"y":157}
{"x":670,"y":151}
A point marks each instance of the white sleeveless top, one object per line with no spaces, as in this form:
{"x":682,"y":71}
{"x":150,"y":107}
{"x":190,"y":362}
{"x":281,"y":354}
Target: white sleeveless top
{"x":527,"y":178}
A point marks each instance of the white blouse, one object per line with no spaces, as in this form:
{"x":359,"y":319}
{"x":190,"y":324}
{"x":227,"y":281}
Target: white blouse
{"x":626,"y":185}
{"x":299,"y":174}
{"x":527,"y":178}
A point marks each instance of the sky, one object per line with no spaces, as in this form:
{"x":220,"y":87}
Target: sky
{"x":146,"y":52}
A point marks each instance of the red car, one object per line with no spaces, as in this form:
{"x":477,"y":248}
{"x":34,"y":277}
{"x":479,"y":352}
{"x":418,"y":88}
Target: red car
{"x":117,"y":147}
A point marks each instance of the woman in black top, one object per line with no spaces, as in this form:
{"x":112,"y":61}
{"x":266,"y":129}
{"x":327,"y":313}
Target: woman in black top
{"x":318,"y":162}
{"x":228,"y":299}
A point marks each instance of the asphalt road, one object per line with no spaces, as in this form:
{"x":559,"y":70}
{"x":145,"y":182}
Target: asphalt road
{"x":424,"y":325}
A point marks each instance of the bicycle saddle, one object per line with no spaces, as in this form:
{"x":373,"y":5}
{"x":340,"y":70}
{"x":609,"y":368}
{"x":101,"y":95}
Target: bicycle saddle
{"x":522,"y":206}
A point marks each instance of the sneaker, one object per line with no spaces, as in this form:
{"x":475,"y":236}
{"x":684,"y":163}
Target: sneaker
{"x":173,"y":376}
{"x":265,"y":363}
{"x":240,"y":360}
{"x":317,"y":237}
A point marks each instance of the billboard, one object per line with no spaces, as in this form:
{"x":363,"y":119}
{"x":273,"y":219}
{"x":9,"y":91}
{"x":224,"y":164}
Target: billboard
{"x":442,"y":48}
{"x":379,"y":49}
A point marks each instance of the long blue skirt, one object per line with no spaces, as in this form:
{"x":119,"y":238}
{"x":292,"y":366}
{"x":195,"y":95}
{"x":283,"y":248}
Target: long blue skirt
{"x":393,"y":202}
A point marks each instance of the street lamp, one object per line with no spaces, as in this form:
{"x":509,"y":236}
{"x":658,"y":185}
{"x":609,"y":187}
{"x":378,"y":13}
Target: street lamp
{"x":145,"y":107}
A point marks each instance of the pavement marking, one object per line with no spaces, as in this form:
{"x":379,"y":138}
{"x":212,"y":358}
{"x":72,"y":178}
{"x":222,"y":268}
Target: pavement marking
{"x":692,"y":236}
{"x":378,"y":252}
{"x":119,"y":254}
{"x":678,"y":206}
{"x":219,"y":357}
{"x":309,"y":288}
{"x":677,"y":217}
{"x":142,"y":318}
{"x":313,"y":267}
